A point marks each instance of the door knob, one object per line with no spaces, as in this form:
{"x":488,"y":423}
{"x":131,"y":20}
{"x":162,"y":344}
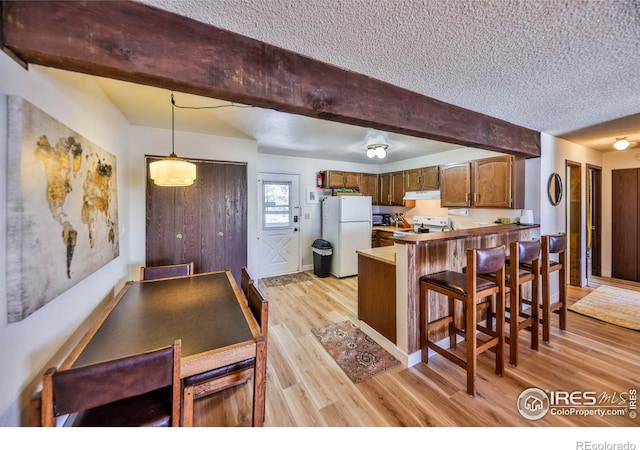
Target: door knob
{"x":179,"y":236}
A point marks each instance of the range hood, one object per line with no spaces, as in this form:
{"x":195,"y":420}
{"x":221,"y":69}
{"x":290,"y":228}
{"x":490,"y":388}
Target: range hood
{"x":422,"y":195}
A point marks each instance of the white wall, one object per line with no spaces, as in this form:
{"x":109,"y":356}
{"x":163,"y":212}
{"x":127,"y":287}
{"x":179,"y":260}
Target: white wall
{"x":555,"y":153}
{"x":45,"y":337}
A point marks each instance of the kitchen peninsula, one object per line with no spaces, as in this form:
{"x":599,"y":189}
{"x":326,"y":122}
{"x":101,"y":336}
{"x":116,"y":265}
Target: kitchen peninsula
{"x":389,"y":281}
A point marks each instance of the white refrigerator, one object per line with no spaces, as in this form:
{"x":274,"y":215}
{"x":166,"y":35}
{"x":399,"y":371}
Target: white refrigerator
{"x":346,"y":224}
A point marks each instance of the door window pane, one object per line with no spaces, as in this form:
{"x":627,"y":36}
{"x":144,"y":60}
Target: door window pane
{"x":276,"y":200}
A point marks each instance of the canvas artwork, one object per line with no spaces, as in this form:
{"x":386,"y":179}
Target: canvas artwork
{"x":62,"y":208}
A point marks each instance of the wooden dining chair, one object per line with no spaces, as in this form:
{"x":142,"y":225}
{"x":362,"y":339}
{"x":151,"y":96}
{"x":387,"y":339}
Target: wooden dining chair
{"x":216,"y":380}
{"x":168,"y":271}
{"x":244,"y":282}
{"x":138,"y":390}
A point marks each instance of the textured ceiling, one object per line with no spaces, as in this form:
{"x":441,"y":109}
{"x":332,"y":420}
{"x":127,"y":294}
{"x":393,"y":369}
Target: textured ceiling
{"x":560,"y":67}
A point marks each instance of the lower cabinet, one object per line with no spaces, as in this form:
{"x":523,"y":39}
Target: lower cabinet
{"x":385,"y":238}
{"x":377,"y":295}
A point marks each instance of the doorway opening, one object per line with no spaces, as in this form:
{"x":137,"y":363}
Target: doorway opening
{"x":574,"y":222}
{"x":594,"y":221}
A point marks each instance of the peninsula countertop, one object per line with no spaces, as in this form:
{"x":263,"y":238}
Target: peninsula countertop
{"x":461,"y":233}
{"x":382,"y":254}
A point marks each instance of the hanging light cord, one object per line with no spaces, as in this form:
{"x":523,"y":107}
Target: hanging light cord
{"x":173,"y":128}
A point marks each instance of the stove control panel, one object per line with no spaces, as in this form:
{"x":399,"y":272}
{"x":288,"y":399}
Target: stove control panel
{"x":431,"y":221}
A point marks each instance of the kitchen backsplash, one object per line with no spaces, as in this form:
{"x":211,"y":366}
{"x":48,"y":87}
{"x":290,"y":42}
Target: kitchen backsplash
{"x":475,"y":217}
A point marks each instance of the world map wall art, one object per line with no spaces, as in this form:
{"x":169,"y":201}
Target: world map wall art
{"x":62,"y":209}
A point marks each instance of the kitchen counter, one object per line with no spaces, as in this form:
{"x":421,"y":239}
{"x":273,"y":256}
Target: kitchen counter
{"x":377,"y":290}
{"x":382,"y":254}
{"x":389,"y":228}
{"x":419,"y":238}
{"x":389,"y":281}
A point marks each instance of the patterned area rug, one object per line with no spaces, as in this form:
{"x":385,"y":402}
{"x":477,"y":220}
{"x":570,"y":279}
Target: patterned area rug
{"x":286,"y":279}
{"x":613,"y":305}
{"x":356,"y":353}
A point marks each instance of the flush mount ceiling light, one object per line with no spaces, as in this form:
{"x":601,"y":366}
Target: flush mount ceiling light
{"x":379,"y":150}
{"x":376,"y":145}
{"x":172,"y":171}
{"x":621,"y":143}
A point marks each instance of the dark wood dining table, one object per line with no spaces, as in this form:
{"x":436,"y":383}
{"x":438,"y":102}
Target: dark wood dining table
{"x":207,"y":311}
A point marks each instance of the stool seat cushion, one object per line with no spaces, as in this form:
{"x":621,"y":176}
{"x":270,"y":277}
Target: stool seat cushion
{"x":456,"y":282}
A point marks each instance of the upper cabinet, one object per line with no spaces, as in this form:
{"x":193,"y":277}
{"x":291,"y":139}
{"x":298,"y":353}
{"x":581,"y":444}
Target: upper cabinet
{"x":333,"y":179}
{"x":369,"y":186}
{"x":455,"y":185}
{"x":391,"y":189}
{"x":486,"y":183}
{"x":422,"y":179}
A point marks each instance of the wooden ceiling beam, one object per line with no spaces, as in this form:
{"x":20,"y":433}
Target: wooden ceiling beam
{"x":137,"y":43}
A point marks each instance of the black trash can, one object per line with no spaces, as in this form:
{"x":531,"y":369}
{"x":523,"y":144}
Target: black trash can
{"x":322,"y":251}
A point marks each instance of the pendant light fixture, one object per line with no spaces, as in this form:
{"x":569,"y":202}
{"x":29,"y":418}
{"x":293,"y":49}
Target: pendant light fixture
{"x":172,"y":171}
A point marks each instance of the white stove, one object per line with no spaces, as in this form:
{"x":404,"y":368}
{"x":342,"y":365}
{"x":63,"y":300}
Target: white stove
{"x":427,"y":224}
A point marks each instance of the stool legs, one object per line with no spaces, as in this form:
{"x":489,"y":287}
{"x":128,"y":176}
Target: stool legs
{"x":470,"y":330}
{"x":546,"y":307}
{"x":531,"y":322}
{"x":561,"y":305}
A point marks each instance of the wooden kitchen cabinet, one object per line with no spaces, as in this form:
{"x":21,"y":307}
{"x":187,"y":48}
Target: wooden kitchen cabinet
{"x":384,"y":189}
{"x":496,"y":182}
{"x":333,"y":179}
{"x":397,"y":189}
{"x":377,"y":295}
{"x":391,"y":189}
{"x":485,"y":183}
{"x":422,"y":179}
{"x":455,"y":185}
{"x":369,"y":186}
{"x":385,"y":238}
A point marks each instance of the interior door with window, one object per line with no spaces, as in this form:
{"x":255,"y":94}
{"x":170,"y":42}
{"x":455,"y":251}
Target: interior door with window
{"x":279,"y":225}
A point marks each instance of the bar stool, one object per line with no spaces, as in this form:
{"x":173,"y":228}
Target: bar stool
{"x":471,"y":290}
{"x":522,"y":254}
{"x":551,"y":245}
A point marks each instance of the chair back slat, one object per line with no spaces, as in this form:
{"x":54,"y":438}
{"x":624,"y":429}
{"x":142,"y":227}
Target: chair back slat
{"x":557,"y":243}
{"x":259,"y":307}
{"x":168,"y":271}
{"x":489,"y":260}
{"x":528,"y":251}
{"x":244,"y":282}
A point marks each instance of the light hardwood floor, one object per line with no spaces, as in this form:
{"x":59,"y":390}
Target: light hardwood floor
{"x":306,"y":388}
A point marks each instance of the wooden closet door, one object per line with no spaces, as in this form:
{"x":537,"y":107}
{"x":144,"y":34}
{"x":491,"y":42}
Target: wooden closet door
{"x":205,"y":222}
{"x":625,"y":243}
